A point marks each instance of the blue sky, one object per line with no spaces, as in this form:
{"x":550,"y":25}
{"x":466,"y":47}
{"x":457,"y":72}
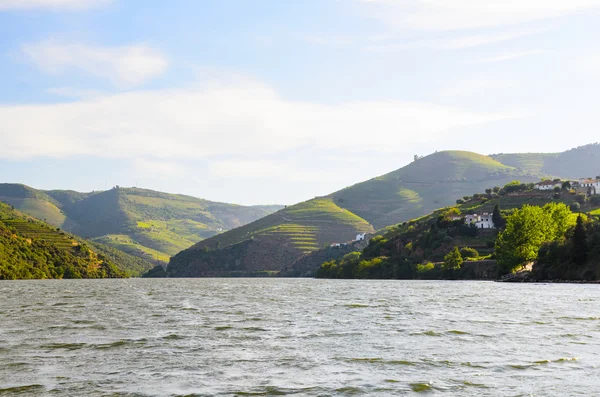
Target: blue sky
{"x":256,"y":101}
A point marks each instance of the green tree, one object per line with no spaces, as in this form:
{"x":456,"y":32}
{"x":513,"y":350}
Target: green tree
{"x":497,"y":217}
{"x":526,"y":230}
{"x":566,"y":185}
{"x":580,"y":249}
{"x":453,"y":260}
{"x":575,"y":207}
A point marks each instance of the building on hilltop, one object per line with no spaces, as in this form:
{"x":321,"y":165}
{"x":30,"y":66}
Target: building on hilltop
{"x":361,"y":236}
{"x":483,"y":221}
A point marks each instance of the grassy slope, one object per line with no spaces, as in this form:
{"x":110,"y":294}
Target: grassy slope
{"x":42,"y":236}
{"x":396,"y":237}
{"x":272,"y":242}
{"x":424,"y":185}
{"x":583,"y":161}
{"x":140,"y":222}
{"x":35,"y":203}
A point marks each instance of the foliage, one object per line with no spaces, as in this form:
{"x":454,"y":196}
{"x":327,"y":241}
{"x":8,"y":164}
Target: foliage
{"x":30,"y":249}
{"x":526,"y":230}
{"x":468,"y":252}
{"x":453,"y":260}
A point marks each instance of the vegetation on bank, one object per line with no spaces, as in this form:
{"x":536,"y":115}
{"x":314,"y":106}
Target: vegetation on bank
{"x":30,"y":249}
{"x":533,"y":227}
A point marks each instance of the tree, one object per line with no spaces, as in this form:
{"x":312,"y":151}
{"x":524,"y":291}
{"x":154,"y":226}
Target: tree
{"x":453,"y":260}
{"x":497,"y":218}
{"x":496,"y":189}
{"x":526,"y":230}
{"x":566,"y":185}
{"x":575,"y":207}
{"x":580,"y":249}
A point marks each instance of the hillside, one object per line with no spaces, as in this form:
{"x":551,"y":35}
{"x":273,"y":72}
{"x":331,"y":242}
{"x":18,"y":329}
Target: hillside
{"x":429,"y":183}
{"x":417,"y":249}
{"x":583,"y":161}
{"x":145,"y":223}
{"x":276,"y":241}
{"x":424,"y":185}
{"x":30,"y":248}
{"x":271,"y":242}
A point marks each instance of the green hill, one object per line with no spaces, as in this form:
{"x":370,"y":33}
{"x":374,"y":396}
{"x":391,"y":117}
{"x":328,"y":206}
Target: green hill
{"x":271,"y":242}
{"x":580,"y":162}
{"x":276,"y":241}
{"x":435,"y":181}
{"x":416,"y":249}
{"x":145,"y":223}
{"x":426,"y":184}
{"x":30,"y":248}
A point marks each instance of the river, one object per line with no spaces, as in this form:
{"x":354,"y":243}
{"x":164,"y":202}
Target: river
{"x":226,"y":337}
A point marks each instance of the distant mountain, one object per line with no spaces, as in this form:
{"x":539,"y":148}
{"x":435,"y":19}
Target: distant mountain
{"x":30,"y":248}
{"x":278,"y":240}
{"x":583,"y":161}
{"x":145,"y":223}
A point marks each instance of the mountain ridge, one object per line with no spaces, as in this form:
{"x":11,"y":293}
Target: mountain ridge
{"x":149,"y":224}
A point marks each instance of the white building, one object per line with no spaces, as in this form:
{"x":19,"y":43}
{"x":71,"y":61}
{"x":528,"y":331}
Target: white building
{"x":483,"y":221}
{"x":592,"y":184}
{"x":547,"y":185}
{"x":361,"y":237}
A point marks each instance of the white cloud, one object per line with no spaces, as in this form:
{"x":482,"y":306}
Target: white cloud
{"x":124,"y":66}
{"x":271,"y":170}
{"x":470,"y":14}
{"x":453,"y":43}
{"x":219,"y":120}
{"x":507,"y":56}
{"x":51,"y":4}
{"x":153,"y":167}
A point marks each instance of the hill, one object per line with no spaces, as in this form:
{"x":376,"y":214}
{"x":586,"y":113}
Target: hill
{"x":30,"y":248}
{"x":583,"y":161}
{"x":271,"y":242}
{"x":418,"y":248}
{"x":426,"y":184}
{"x":276,"y":241}
{"x":145,"y":223}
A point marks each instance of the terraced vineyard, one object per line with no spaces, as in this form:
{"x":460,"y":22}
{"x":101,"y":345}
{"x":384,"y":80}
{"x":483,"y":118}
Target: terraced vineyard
{"x":272,"y":242}
{"x":304,"y":238}
{"x":38,"y":231}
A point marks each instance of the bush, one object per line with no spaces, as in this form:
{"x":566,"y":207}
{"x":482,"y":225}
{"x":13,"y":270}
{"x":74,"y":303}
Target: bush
{"x":575,"y":207}
{"x":468,"y":252}
{"x":425,"y":267}
{"x":595,"y":199}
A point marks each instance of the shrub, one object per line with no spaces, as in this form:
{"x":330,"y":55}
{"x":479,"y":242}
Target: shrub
{"x":575,"y":207}
{"x":425,"y":267}
{"x":468,"y":252}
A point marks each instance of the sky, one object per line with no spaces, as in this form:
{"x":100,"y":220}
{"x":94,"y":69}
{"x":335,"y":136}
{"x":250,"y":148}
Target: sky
{"x":263,"y":101}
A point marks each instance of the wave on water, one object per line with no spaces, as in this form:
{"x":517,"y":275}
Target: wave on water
{"x":21,"y":389}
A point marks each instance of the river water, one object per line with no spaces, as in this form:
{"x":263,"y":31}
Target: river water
{"x":213,"y":337}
